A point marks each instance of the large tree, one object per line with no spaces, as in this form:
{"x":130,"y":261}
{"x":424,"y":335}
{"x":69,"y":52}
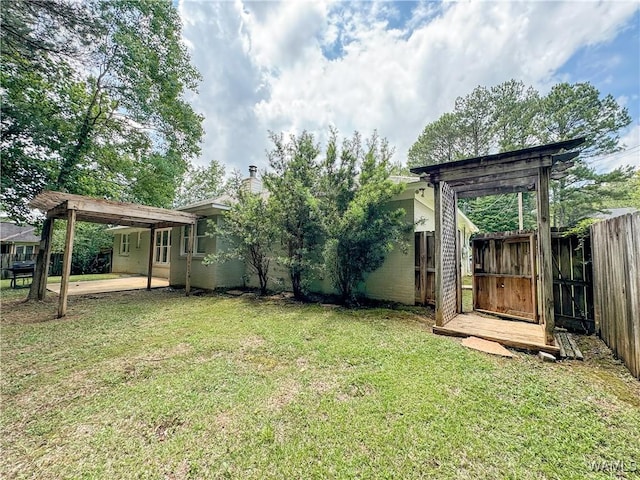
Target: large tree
{"x":249,"y":230}
{"x":293,"y":185}
{"x":200,"y":183}
{"x":511,"y":116}
{"x":361,"y":227}
{"x":106,"y":117}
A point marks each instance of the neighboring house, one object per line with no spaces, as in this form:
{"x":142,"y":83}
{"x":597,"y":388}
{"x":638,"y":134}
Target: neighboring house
{"x":17,"y":243}
{"x":20,"y":241}
{"x":613,"y":212}
{"x":394,"y":281}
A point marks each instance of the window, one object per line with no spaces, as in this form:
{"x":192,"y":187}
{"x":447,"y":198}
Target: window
{"x":199,"y":247}
{"x":138,"y":241}
{"x":24,"y":250}
{"x":162,"y":246}
{"x":124,"y":244}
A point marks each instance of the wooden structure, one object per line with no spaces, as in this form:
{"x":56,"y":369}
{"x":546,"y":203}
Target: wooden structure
{"x":425,"y":268}
{"x":572,"y":282}
{"x":504,"y":275}
{"x":529,"y":169}
{"x":616,"y":286}
{"x":59,"y":205}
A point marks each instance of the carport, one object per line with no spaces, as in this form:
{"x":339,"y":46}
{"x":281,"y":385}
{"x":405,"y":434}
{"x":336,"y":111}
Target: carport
{"x":66,"y":206}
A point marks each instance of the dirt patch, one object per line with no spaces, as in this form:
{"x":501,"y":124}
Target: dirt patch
{"x":284,"y":395}
{"x":252,"y":342}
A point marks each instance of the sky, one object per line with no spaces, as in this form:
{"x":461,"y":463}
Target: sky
{"x":393,"y":66}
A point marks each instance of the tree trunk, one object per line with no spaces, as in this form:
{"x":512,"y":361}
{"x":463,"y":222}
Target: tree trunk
{"x":39,"y":275}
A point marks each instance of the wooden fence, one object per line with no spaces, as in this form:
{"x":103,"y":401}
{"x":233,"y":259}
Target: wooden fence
{"x":101,"y":264}
{"x":572,"y":282}
{"x":616,"y":286}
{"x":425,"y":268}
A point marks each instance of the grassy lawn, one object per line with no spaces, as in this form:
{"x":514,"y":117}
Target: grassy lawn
{"x":156,"y":385}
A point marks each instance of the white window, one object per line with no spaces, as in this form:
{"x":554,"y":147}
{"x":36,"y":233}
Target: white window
{"x":162,"y":253}
{"x":125,"y":244}
{"x":25,"y":250}
{"x":138,"y":242}
{"x":199,"y":247}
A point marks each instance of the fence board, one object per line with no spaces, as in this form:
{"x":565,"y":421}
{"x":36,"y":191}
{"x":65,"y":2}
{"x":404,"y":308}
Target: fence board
{"x":616,"y":272}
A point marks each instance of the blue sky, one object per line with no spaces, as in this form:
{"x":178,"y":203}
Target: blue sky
{"x":393,"y":66}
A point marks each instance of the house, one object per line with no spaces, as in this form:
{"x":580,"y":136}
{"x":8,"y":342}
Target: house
{"x":19,"y":241}
{"x":396,"y":280}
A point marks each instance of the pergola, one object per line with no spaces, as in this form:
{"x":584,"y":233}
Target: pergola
{"x":529,"y":169}
{"x":66,"y":206}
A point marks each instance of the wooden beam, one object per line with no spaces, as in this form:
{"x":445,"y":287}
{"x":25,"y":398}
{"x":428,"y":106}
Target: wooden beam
{"x":105,"y":211}
{"x":545,"y":253}
{"x":505,"y":157}
{"x":437,"y":193}
{"x":58,"y":212}
{"x":496,"y":191}
{"x":190,"y":243}
{"x":496,"y":183}
{"x":482,"y":178}
{"x":66,"y":263}
{"x":152,"y":245}
{"x":480,"y":168}
{"x":48,"y":239}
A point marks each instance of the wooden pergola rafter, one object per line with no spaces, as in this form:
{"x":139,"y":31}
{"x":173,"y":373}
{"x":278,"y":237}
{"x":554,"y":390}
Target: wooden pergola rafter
{"x":66,"y":206}
{"x":528,"y":169}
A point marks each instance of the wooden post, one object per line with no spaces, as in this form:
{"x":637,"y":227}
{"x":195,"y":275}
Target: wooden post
{"x":48,"y":238}
{"x":190,"y":243}
{"x":520,"y":213}
{"x":152,"y":232}
{"x":438,"y":254}
{"x":423,"y":267}
{"x":458,"y":255}
{"x":545,"y":252}
{"x":534,"y":274}
{"x":66,"y":263}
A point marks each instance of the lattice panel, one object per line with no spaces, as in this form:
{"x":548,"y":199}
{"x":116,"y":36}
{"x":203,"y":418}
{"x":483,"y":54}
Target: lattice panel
{"x":448,"y":254}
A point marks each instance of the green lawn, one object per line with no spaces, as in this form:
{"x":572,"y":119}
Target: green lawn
{"x":157,"y":385}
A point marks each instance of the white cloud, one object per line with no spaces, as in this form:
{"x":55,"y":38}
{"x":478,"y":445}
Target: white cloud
{"x":264,"y":64}
{"x":629,"y":156}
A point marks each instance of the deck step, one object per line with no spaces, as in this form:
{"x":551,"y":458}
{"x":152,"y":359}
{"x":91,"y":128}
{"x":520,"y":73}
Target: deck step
{"x":568,"y":347}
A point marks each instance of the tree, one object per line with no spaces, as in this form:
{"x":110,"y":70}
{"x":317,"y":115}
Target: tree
{"x":293,"y":186}
{"x":249,"y":229}
{"x":200,"y":183}
{"x":115,"y":125}
{"x":439,"y":142}
{"x":360,"y":226}
{"x":512,"y":116}
{"x":90,"y":239}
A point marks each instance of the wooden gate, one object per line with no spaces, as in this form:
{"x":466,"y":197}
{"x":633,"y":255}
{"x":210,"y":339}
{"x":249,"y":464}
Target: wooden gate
{"x":425,"y":268}
{"x":572,"y":282}
{"x":504,"y":275}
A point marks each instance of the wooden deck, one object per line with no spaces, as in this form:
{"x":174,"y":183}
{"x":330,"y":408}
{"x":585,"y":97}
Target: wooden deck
{"x":523,"y":335}
{"x":112,"y":285}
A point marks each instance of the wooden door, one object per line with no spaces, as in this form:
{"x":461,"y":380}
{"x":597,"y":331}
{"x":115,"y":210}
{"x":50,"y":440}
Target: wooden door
{"x":504,"y":275}
{"x":425,"y":268}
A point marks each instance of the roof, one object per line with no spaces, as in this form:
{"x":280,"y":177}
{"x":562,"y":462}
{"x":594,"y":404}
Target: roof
{"x":221,"y":203}
{"x":507,"y":172}
{"x":614,"y":212}
{"x":12,"y":233}
{"x":96,"y":210}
